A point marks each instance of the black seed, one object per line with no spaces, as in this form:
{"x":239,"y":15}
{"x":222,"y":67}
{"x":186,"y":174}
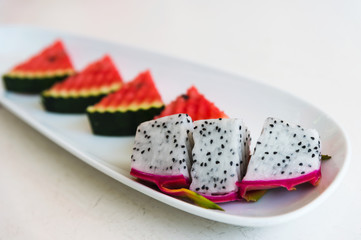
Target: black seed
{"x":313,"y":155}
{"x":266,"y":153}
{"x":282,"y":172}
{"x":219,"y":153}
{"x":299,"y":144}
{"x":208,"y":153}
{"x":148,"y":149}
{"x":271,"y":125}
{"x":258,"y":142}
{"x":312,"y":138}
{"x":225,"y":171}
{"x":297,"y":150}
{"x":302,"y":172}
{"x":142,"y":152}
{"x":274,"y":153}
{"x":217,"y":162}
{"x":211,"y":141}
{"x":222,"y":146}
{"x":197,"y":189}
{"x":278,"y":164}
{"x":301,"y":164}
{"x":283,"y":161}
{"x":231,"y":163}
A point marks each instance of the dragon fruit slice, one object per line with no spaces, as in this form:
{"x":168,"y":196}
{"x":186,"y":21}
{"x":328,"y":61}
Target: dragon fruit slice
{"x":220,"y":158}
{"x":162,"y":147}
{"x":285,"y":155}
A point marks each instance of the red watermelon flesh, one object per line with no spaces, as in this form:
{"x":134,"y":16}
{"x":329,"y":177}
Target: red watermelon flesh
{"x":53,"y":58}
{"x":99,"y":77}
{"x":139,"y":93}
{"x":195,"y":105}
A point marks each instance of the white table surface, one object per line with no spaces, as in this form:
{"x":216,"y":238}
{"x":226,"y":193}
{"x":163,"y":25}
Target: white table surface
{"x":311,"y":49}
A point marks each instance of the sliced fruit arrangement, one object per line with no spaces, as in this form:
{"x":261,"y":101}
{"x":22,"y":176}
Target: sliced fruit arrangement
{"x":120,"y":113}
{"x":207,"y":161}
{"x":41,"y":71}
{"x":195,"y":105}
{"x":285,"y":155}
{"x":76,"y":93}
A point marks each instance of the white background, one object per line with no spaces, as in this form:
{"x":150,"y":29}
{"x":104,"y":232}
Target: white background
{"x":311,"y":49}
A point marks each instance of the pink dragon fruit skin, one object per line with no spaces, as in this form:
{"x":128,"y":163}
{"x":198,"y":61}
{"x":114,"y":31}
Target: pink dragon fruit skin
{"x":285,"y":155}
{"x":161,"y":152}
{"x":167,"y":181}
{"x":220,"y":157}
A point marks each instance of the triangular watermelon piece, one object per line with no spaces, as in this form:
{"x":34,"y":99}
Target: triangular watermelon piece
{"x":41,"y":71}
{"x":195,"y":105}
{"x":121,"y":112}
{"x":76,"y":93}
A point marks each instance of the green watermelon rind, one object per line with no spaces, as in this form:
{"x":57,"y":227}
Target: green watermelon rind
{"x":33,"y":85}
{"x":120,"y":123}
{"x":69,"y":104}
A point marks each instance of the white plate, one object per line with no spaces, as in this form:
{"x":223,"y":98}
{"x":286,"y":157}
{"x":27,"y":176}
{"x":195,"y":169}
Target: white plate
{"x":236,"y":95}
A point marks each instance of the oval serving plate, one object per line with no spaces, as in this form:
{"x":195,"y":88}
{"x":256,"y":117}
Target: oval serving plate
{"x":237,"y":96}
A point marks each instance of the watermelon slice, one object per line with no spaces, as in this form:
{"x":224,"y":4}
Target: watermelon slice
{"x":195,"y":105}
{"x":121,"y":112}
{"x":41,"y":71}
{"x":76,"y":93}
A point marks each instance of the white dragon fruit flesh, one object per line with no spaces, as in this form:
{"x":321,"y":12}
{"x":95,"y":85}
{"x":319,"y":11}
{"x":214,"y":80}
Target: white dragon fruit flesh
{"x":220,"y":157}
{"x":285,"y":155}
{"x":162,"y":148}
